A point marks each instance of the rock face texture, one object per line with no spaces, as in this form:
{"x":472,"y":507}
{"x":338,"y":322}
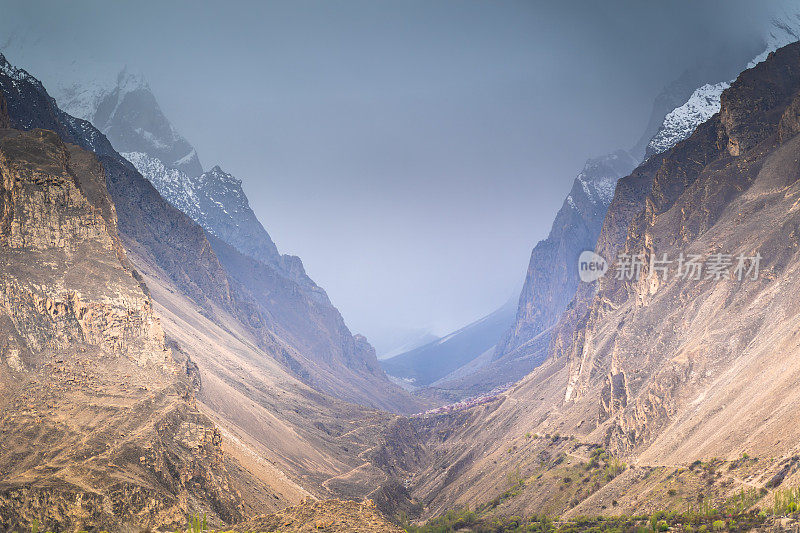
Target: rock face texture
{"x":730,"y":188}
{"x":682,"y":121}
{"x":95,"y":414}
{"x":99,"y":407}
{"x":5,"y":120}
{"x":268,"y":291}
{"x":215,"y":200}
{"x":692,"y":108}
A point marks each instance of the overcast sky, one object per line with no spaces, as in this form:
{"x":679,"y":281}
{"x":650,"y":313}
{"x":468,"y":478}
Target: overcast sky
{"x":410,"y":152}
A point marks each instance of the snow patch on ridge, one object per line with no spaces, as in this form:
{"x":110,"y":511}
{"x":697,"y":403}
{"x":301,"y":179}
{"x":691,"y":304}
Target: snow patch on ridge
{"x":681,"y":122}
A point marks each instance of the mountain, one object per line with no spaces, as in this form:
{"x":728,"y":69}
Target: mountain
{"x":552,"y":278}
{"x":682,"y":121}
{"x":661,"y":390}
{"x":431,"y":362}
{"x":278,"y":299}
{"x":213,"y":199}
{"x":707,"y":84}
{"x":140,"y":383}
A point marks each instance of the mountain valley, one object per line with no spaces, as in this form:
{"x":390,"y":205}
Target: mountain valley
{"x":161,"y":360}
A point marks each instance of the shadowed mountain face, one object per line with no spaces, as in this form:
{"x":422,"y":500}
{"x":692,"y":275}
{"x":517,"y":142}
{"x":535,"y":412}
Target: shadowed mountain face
{"x":662,"y":370}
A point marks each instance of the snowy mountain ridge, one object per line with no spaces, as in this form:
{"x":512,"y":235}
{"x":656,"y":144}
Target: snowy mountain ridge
{"x":704,"y":102}
{"x":682,"y":121}
{"x":215,"y":200}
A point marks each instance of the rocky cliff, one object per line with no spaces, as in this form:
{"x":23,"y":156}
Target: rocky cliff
{"x":117,"y":410}
{"x":729,"y":189}
{"x":98,"y":424}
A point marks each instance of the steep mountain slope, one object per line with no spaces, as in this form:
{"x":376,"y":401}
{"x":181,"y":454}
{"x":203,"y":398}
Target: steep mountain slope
{"x":662,"y":370}
{"x":98,"y":424}
{"x":731,"y":189}
{"x":552,"y":278}
{"x":280,"y":296}
{"x":436,"y":360}
{"x":327,"y":356}
{"x":144,"y":219}
{"x":215,"y":200}
{"x":682,"y":121}
{"x":285,"y":441}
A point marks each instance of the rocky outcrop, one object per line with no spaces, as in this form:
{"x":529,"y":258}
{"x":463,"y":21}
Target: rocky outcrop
{"x":145,"y":220}
{"x":682,"y":121}
{"x":706,"y":85}
{"x":96,"y":415}
{"x":552,"y":276}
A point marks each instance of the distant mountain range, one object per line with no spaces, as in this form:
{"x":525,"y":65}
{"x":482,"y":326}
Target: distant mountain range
{"x":436,"y":360}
